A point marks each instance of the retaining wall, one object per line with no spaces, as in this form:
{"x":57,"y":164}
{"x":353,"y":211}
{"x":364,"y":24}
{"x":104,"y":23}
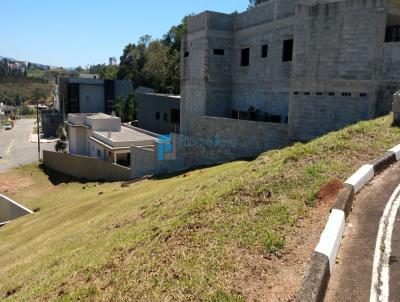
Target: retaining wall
{"x":85,"y":167}
{"x":10,"y":210}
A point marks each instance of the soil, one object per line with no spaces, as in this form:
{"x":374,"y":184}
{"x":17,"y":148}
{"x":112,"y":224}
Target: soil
{"x":272,"y":278}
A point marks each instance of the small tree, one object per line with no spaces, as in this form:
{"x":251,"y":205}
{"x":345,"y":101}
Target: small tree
{"x":61,"y":144}
{"x":127,"y":108}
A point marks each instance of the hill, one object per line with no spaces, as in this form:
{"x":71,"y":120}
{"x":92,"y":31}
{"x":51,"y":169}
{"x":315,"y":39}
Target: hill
{"x":234,"y":232}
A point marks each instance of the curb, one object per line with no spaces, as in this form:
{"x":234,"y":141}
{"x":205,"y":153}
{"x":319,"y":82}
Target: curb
{"x":315,"y":283}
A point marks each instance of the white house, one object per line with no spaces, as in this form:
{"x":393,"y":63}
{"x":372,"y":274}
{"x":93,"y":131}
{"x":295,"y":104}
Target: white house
{"x":104,"y":137}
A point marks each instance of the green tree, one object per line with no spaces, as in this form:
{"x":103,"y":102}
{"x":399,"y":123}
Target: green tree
{"x":127,"y":108}
{"x":256,"y":2}
{"x":109,"y":72}
{"x":61,"y":144}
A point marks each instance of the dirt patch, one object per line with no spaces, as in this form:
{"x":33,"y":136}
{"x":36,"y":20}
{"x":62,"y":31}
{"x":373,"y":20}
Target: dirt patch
{"x":328,"y":193}
{"x":11,"y":184}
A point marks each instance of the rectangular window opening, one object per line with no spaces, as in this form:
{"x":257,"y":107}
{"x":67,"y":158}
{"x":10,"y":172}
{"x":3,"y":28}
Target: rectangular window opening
{"x":264,"y":51}
{"x":245,"y":59}
{"x":157,"y":115}
{"x":186,"y":54}
{"x":363,"y":95}
{"x":275,"y":118}
{"x":219,"y":52}
{"x":165,"y":117}
{"x":287,"y":52}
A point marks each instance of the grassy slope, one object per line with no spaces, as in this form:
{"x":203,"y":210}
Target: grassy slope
{"x":204,"y":235}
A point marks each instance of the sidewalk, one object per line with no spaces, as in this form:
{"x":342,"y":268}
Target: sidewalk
{"x":34,"y":139}
{"x":351,"y":279}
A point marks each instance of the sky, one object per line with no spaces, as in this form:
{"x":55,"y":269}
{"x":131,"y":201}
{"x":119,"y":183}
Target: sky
{"x":74,"y":33}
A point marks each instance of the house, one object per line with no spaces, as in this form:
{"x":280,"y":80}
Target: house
{"x":286,"y":71}
{"x":104,"y":137}
{"x":159,"y":113}
{"x":86,"y":95}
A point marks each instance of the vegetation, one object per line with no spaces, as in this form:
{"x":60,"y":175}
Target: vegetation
{"x":234,"y":232}
{"x":256,"y":2}
{"x":61,"y":144}
{"x":18,"y":93}
{"x":127,"y":108}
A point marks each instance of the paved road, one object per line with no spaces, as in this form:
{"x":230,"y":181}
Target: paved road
{"x":368,"y":267}
{"x":16,"y":148}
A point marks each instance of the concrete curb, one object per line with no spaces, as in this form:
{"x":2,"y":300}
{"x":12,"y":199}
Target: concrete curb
{"x":322,"y":260}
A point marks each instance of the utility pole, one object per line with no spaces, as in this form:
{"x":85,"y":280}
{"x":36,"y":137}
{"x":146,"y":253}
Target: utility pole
{"x":38,"y":128}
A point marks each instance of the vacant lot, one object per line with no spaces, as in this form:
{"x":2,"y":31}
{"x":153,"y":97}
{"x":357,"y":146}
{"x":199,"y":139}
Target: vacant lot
{"x":27,"y":91}
{"x":236,"y":232}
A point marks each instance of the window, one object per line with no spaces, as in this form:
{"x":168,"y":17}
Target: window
{"x":319,"y":93}
{"x":264,"y":51}
{"x":296,"y":93}
{"x":245,"y":59}
{"x":274,"y":118}
{"x":363,"y":95}
{"x":287,"y":50}
{"x":346,"y":94}
{"x":219,"y":52}
{"x":307,"y":93}
{"x":331,"y":94}
{"x":165,"y":117}
{"x":175,"y":116}
{"x":186,"y":54}
{"x":98,"y":153}
{"x":157,"y":115}
{"x":235,"y":114}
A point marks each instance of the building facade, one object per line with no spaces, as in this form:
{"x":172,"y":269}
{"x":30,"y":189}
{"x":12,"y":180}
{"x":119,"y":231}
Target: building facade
{"x":87,"y":95}
{"x":159,"y":113}
{"x":291,"y":70}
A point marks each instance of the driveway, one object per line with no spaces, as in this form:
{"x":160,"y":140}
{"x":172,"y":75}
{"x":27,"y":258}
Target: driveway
{"x":16,"y":148}
{"x":368,"y":267}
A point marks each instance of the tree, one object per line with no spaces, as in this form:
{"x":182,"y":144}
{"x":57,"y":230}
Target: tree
{"x":256,"y":2}
{"x":109,"y":72}
{"x":127,"y":108}
{"x":61,"y":144}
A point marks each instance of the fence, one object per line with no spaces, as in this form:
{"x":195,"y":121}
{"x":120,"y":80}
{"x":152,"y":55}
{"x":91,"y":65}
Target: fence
{"x":83,"y":167}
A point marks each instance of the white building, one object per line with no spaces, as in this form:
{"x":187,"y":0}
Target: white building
{"x":105,"y":137}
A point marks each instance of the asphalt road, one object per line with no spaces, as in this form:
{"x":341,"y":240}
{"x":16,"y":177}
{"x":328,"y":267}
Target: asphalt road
{"x":368,"y":267}
{"x":16,"y":148}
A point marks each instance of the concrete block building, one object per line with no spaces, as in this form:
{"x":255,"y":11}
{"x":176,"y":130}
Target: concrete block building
{"x":288,"y":70}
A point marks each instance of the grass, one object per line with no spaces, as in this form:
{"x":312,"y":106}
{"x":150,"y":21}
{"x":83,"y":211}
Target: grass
{"x":205,"y":235}
{"x":37,"y":73}
{"x":26,"y":91}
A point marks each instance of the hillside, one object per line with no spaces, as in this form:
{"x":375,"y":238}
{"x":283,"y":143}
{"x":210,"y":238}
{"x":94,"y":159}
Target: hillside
{"x":27,"y":90}
{"x":241,"y":231}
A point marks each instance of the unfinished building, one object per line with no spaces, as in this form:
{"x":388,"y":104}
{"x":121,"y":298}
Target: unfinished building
{"x":286,"y":71}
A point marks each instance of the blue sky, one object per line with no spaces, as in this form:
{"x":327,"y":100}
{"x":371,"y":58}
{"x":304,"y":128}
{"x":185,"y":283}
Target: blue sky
{"x":80,"y":32}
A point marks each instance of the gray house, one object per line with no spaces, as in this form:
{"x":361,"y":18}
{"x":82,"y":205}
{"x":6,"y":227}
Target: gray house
{"x":287,"y":70}
{"x":159,"y":113}
{"x":86,"y":95}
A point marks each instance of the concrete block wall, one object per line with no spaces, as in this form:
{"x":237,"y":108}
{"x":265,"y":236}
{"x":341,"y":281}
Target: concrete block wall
{"x":213,"y":140}
{"x":390,"y":75}
{"x":337,"y":51}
